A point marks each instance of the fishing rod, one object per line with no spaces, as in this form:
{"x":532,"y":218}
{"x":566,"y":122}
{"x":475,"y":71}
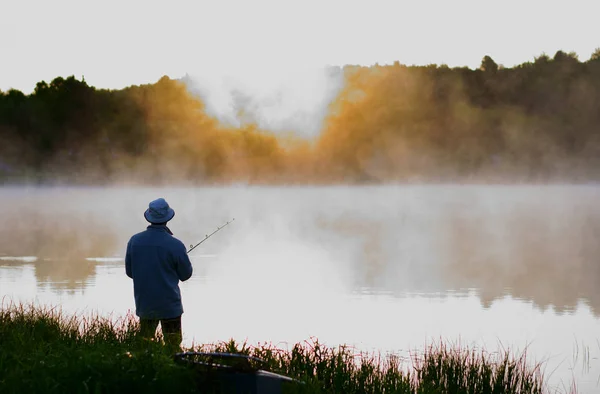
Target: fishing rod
{"x":209,"y":235}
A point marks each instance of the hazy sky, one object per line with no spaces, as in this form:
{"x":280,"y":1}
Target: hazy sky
{"x":119,"y":43}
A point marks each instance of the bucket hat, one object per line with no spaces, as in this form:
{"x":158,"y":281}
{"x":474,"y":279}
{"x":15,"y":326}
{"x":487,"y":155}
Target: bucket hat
{"x":159,"y":211}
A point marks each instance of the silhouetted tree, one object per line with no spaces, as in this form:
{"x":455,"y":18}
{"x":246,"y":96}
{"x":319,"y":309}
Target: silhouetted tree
{"x":488,"y":65}
{"x":536,"y":120}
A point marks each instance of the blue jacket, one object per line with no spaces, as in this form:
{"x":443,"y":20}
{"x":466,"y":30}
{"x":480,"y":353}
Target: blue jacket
{"x":157,"y":261}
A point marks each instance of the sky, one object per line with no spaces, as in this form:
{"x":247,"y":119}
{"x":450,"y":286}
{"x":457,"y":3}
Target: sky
{"x":114,"y":44}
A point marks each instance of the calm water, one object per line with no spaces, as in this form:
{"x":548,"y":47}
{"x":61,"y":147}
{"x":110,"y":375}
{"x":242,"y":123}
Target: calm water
{"x":389,"y":268}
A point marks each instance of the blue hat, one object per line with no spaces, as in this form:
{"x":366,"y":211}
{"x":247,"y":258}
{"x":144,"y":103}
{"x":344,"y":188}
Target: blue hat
{"x":159,"y":211}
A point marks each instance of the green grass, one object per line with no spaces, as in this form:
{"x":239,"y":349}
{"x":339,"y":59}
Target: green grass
{"x":42,"y":351}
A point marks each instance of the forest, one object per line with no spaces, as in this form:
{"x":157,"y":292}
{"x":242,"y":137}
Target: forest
{"x":535,"y":122}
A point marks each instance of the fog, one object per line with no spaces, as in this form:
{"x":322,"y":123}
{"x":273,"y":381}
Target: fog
{"x":283,"y":125}
{"x":292,"y":100}
{"x":536,"y":243}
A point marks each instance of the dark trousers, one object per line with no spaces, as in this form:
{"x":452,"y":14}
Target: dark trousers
{"x":171,"y":329}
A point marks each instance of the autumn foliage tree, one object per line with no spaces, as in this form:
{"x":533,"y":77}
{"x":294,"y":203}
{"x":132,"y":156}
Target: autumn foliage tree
{"x":535,"y":121}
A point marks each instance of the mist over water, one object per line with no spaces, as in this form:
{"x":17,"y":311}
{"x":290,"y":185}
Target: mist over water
{"x":539,"y":243}
{"x":381,"y":267}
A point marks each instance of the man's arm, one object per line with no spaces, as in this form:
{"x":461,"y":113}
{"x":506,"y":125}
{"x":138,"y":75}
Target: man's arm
{"x":128,"y":260}
{"x":183,"y":264}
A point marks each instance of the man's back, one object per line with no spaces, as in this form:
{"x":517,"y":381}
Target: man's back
{"x":157,"y":261}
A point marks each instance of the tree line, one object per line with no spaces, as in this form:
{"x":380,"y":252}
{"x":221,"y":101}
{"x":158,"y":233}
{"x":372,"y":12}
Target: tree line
{"x":538,"y":121}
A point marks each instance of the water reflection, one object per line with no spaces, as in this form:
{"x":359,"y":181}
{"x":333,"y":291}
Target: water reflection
{"x":70,"y":276}
{"x":539,"y":251}
{"x":538,"y":244}
{"x":519,"y":242}
{"x":48,"y":234}
{"x":60,"y":276}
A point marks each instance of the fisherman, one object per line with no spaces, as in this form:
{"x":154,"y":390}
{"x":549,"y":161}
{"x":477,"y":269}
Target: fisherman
{"x":157,"y":261}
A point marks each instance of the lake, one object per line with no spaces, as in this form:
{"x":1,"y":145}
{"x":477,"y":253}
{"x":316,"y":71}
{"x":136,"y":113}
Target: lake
{"x":383,"y":268}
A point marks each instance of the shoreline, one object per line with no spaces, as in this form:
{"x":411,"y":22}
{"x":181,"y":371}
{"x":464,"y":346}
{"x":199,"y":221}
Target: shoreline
{"x":90,"y":354}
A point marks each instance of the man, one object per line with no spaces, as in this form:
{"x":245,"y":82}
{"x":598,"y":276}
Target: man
{"x":157,"y":261}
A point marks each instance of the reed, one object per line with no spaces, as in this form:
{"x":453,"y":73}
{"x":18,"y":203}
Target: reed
{"x":44,"y":351}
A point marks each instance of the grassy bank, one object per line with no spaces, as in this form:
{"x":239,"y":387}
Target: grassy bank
{"x":42,"y":351}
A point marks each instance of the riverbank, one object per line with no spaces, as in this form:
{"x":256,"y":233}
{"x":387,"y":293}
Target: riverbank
{"x":42,"y":350}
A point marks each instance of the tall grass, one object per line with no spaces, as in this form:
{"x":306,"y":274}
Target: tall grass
{"x":43,"y":351}
{"x":438,"y":369}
